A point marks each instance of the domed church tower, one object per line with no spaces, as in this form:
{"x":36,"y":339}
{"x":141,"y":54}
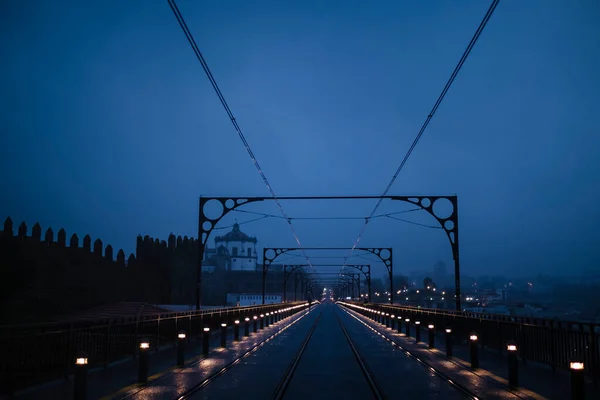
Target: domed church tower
{"x":241,"y":249}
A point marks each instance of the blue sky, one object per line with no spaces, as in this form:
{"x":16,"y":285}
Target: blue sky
{"x":110,"y":127}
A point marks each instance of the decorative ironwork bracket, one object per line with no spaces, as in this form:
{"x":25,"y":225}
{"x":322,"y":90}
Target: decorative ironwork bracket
{"x":448,"y":223}
{"x":206,"y":225}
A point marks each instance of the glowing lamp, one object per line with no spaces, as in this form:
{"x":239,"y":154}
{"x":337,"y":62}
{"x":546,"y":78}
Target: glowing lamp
{"x":81,"y":361}
{"x":576,"y":365}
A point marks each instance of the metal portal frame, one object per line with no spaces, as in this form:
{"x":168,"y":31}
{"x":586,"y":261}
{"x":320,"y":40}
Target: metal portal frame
{"x":377,"y":251}
{"x":289,"y":268}
{"x":449,"y":224}
{"x":331,"y":277}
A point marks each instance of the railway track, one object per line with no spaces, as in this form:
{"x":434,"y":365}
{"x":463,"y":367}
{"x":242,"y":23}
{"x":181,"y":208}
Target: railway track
{"x":378,"y":392}
{"x":469,"y":394}
{"x":370,"y":378}
{"x":284,"y":383}
{"x":189,"y":393}
{"x":286,"y":388}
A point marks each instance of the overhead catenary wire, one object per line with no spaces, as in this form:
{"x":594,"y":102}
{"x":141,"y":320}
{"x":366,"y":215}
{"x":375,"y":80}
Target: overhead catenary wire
{"x":462,"y":60}
{"x":234,"y":122}
{"x":328,"y":218}
{"x":388,"y":215}
{"x":240,"y":223}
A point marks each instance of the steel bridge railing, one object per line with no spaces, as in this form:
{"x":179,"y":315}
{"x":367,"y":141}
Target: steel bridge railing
{"x":552,"y":342}
{"x":37,"y":353}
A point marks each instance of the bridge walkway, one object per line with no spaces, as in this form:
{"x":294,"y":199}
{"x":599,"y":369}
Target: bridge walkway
{"x":329,"y":351}
{"x":536,"y":381}
{"x":118,"y":380}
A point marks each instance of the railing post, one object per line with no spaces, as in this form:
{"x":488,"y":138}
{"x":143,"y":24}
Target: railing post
{"x":205,"y":341}
{"x":513,"y":366}
{"x":577,"y":381}
{"x":143,"y":361}
{"x":431,"y":336}
{"x":474,"y":351}
{"x":448,"y":342}
{"x":246,"y":326}
{"x":223,"y":335}
{"x":181,"y":348}
{"x":81,"y":374}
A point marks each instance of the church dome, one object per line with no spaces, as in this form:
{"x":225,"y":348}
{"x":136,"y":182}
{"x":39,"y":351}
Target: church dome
{"x":235,"y":236}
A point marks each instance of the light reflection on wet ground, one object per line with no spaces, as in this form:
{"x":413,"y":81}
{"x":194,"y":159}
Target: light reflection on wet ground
{"x":455,"y":372}
{"x":174,"y":384}
{"x":398,"y":374}
{"x":327,"y":363}
{"x":256,"y":376}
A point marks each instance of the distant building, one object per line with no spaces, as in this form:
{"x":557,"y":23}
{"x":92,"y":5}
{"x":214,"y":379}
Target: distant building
{"x":250,"y":299}
{"x":234,"y":251}
{"x":440,"y":274}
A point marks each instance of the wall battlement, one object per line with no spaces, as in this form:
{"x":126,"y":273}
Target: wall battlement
{"x":48,"y":239}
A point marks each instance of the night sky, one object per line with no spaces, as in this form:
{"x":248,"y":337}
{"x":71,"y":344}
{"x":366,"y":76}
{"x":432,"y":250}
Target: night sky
{"x":110,"y":126}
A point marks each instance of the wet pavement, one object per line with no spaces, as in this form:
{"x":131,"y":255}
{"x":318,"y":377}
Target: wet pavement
{"x":257,"y":376}
{"x":179,"y":383}
{"x":422,"y":360}
{"x":536,"y":381}
{"x":119,"y":379}
{"x":328,"y":365}
{"x":328,"y":369}
{"x":397,"y":374}
{"x":255,"y":367}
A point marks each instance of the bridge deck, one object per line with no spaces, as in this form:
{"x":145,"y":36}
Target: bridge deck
{"x":328,"y":352}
